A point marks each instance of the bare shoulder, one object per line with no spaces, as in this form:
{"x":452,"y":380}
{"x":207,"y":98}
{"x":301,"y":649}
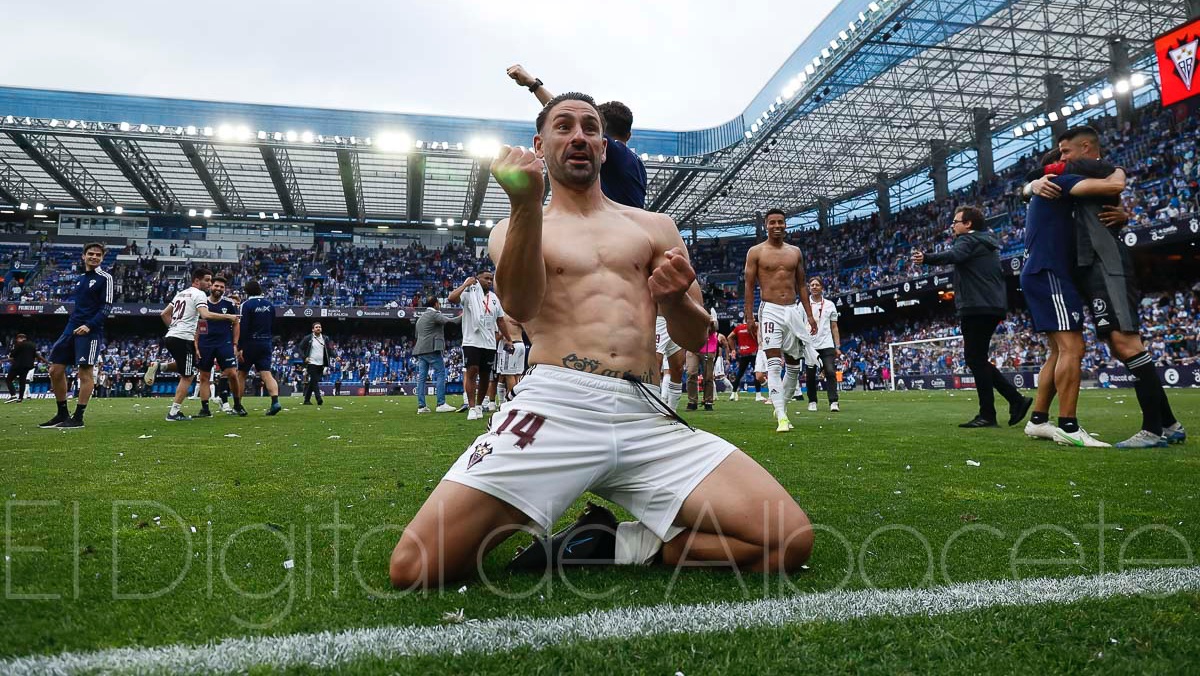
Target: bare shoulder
{"x":659,"y":227}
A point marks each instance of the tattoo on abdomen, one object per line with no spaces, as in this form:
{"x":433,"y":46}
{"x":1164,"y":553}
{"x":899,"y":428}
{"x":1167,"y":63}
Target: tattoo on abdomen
{"x":588,"y":365}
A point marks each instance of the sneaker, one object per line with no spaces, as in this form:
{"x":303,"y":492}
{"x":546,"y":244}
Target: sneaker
{"x":1080,"y":439}
{"x":692,"y":406}
{"x":71,"y":423}
{"x":13,"y":400}
{"x":812,"y":406}
{"x":275,"y":409}
{"x":306,"y":403}
{"x":733,"y":396}
{"x":226,"y":408}
{"x":475,"y":413}
{"x":487,"y":406}
{"x":1175,"y":434}
{"x":177,"y":417}
{"x":759,"y":397}
{"x":1018,"y":411}
{"x":445,"y":408}
{"x":978,"y":422}
{"x":592,"y":539}
{"x":320,"y":401}
{"x":708,"y":407}
{"x":151,"y":371}
{"x":465,"y":408}
{"x":1142,"y":439}
{"x":784,"y":425}
{"x":423,"y":410}
{"x":768,"y":402}
{"x":54,"y":422}
{"x":1040,"y":430}
{"x":241,"y":412}
{"x":204,"y":413}
{"x":834,"y":407}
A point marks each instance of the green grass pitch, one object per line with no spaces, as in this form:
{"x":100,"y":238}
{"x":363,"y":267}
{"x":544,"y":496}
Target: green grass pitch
{"x":100,"y":550}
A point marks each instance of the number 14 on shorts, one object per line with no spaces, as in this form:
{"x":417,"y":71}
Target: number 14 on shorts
{"x":525,"y":429}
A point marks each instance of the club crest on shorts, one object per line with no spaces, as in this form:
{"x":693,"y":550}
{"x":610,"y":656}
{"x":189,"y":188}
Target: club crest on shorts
{"x":1099,"y":306}
{"x":481,"y":451}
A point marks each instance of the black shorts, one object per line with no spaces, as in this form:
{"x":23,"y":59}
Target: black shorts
{"x":183,"y":352}
{"x":478,"y":356}
{"x":1112,"y":298}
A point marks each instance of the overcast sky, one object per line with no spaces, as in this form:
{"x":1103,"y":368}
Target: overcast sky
{"x":679,"y":65}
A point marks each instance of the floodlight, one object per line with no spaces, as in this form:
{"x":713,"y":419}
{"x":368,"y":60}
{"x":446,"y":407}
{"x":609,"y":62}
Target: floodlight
{"x":39,"y":206}
{"x":1137,"y":79}
{"x":208,"y":213}
{"x":118,"y":210}
{"x":291,"y":136}
{"x":490,"y":223}
{"x":1067,"y":111}
{"x":1018,"y":133}
{"x":1107,"y":93}
{"x":99,"y":210}
{"x":1122,"y":86}
{"x":1093,"y":100}
{"x":484,"y":148}
{"x":124,"y":126}
{"x":437,"y":222}
{"x":306,"y":137}
{"x":191,"y":213}
{"x":394,"y":142}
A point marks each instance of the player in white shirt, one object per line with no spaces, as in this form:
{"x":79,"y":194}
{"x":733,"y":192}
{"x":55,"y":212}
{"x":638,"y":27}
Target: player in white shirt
{"x":481,"y":308}
{"x":827,"y":343}
{"x":510,"y":362}
{"x":182,"y":317}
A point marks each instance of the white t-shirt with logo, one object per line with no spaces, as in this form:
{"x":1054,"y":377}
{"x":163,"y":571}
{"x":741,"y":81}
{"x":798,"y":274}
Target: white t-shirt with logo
{"x":480,"y":311}
{"x":824,"y":312}
{"x":316,"y":351}
{"x":185,"y":313}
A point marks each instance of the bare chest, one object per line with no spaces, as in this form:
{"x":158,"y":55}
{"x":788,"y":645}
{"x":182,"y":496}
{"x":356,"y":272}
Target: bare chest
{"x":775,"y":261}
{"x":576,"y":253}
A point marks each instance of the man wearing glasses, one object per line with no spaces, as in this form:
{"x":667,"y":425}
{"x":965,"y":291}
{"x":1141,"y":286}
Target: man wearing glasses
{"x":982,"y":302}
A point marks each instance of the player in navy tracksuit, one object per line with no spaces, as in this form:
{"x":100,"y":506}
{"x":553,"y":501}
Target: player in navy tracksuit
{"x":254,"y":342}
{"x":79,"y":344}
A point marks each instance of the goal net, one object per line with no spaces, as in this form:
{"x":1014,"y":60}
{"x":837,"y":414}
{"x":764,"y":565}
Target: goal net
{"x":929,"y":357}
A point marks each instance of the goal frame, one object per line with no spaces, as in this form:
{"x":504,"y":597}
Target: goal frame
{"x":892,"y":352}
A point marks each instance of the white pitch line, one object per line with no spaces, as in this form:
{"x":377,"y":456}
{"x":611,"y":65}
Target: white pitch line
{"x":338,"y":649}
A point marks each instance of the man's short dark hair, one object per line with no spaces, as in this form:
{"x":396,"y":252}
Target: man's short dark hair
{"x":772,"y":212}
{"x":22,"y":336}
{"x":200,"y":273}
{"x":567,"y":96}
{"x":253,"y":288}
{"x":221,"y":280}
{"x":94,"y":245}
{"x":1052,"y":157}
{"x":316,"y":324}
{"x":1082,"y":131}
{"x":618,"y":118}
{"x":972,"y":217}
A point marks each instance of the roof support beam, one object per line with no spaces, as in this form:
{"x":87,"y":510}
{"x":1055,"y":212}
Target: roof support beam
{"x":58,"y":162}
{"x":352,"y":184}
{"x":211,"y":172}
{"x":140,"y":171}
{"x":416,"y":188}
{"x":14,"y":189}
{"x":478,"y":188}
{"x":279,"y":165}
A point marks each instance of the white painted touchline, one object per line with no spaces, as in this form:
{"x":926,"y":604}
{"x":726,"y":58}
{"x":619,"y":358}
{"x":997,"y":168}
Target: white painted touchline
{"x":333,"y":649}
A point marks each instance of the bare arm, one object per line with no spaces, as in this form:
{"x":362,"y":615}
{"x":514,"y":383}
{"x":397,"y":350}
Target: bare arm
{"x":673,"y":285}
{"x":209,"y":316}
{"x":802,"y":291}
{"x":1112,"y":186}
{"x":456,"y":294}
{"x":516,"y":244}
{"x":837,"y":337}
{"x":165,"y":315}
{"x":523,"y":78}
{"x":751,"y":273}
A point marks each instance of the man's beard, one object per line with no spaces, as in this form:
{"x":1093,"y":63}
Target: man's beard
{"x":563,"y":175}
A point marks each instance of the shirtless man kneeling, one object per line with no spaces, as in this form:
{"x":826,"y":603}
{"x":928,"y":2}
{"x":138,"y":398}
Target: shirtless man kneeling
{"x":584,"y":276}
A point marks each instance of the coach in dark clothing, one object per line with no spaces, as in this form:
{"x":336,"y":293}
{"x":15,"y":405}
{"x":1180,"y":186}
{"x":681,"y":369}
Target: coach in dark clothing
{"x":982,"y":302}
{"x":431,"y":343}
{"x":317,"y":355}
{"x":22,"y":357}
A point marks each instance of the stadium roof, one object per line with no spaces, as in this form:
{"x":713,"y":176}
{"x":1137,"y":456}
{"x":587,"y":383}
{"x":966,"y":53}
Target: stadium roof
{"x":864,"y":95}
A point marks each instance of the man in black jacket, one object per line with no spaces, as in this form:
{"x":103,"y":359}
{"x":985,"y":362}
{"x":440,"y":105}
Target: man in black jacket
{"x":982,"y":302}
{"x":22,"y":357}
{"x":317,"y":355}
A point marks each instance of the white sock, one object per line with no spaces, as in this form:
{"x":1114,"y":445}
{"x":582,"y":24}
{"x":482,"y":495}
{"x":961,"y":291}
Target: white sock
{"x":674,"y":392}
{"x":791,"y":381}
{"x":775,"y":386}
{"x":636,"y":545}
{"x":174,"y":408}
{"x":664,"y":386}
{"x":486,"y":401}
{"x":501,"y":392}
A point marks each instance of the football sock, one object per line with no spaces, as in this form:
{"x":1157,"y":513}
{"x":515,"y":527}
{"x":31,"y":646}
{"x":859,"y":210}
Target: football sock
{"x":1149,"y":389}
{"x":636,"y":545}
{"x":1068,"y":424}
{"x":62,"y":409}
{"x":274,"y":399}
{"x":1039,"y":418}
{"x":79,"y":409}
{"x":674,"y":392}
{"x":174,"y":408}
{"x":775,"y":385}
{"x":791,"y":381}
